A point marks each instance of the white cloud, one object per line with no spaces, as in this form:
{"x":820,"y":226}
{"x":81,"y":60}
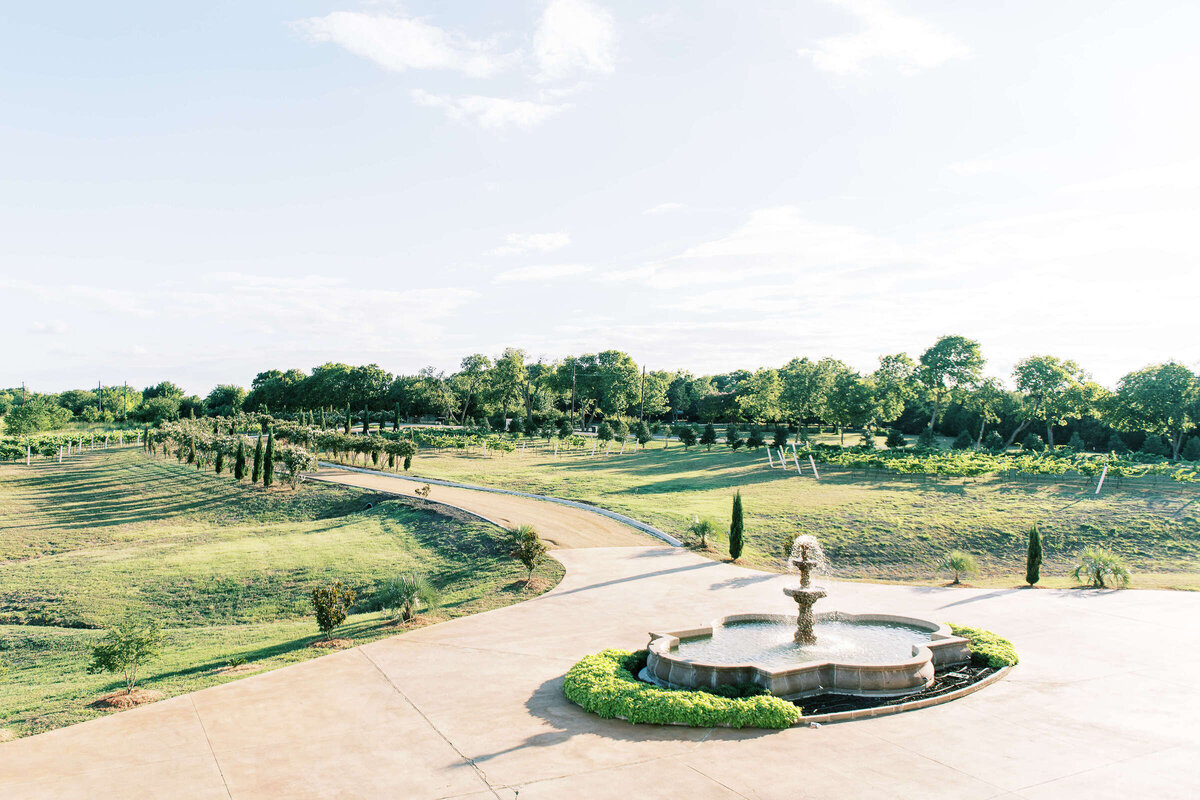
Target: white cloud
{"x":541,"y":273}
{"x":516,"y":243}
{"x":970,"y":168}
{"x":574,"y":36}
{"x":664,"y":208}
{"x":490,"y":113}
{"x":51,"y":328}
{"x":401,"y":43}
{"x":910,"y":44}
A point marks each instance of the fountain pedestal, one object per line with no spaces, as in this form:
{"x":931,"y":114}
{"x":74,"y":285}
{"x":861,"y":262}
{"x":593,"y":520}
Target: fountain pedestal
{"x":805,"y":596}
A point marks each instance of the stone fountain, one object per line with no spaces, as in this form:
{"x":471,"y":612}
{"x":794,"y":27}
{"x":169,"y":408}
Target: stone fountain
{"x":806,"y":556}
{"x":874,"y":655}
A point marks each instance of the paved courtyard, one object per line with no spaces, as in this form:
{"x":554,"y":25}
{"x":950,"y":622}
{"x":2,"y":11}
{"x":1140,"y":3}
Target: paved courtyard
{"x":1103,"y":704}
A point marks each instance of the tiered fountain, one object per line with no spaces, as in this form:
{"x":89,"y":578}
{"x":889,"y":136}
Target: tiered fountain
{"x":811,"y":653}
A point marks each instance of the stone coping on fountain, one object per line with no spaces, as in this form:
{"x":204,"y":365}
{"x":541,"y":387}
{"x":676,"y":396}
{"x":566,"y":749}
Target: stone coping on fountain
{"x":666,"y":668}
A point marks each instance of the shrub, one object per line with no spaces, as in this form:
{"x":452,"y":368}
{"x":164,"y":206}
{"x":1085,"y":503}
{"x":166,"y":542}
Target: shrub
{"x":565,"y":429}
{"x":959,"y":563}
{"x":709,"y":437}
{"x":527,"y":547}
{"x":1076,"y":442}
{"x":687,"y":435}
{"x":1033,"y":442}
{"x":927,"y":439}
{"x":1033,"y":557}
{"x":330,"y":603}
{"x":642,"y":432}
{"x":781,"y":436}
{"x":755,"y":439}
{"x":1097,"y":565}
{"x":239,"y":460}
{"x":1116,"y":444}
{"x":736,"y":528}
{"x":993,"y":442}
{"x":402,"y":595}
{"x":895,"y":440}
{"x":962,"y":441}
{"x":702,"y":529}
{"x":296,"y":460}
{"x":603,"y":685}
{"x":1154,"y":446}
{"x":731,"y":437}
{"x":604,"y":432}
{"x":1191,"y":450}
{"x":126,"y":648}
{"x":256,"y":473}
{"x":987,"y":649}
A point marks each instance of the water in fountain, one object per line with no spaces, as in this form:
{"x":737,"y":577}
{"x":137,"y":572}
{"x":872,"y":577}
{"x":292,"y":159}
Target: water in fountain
{"x":772,"y":644}
{"x":807,"y":555}
{"x":816,"y":554}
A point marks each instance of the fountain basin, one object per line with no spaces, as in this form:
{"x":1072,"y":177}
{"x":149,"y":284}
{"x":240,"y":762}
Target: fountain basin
{"x":909,"y":649}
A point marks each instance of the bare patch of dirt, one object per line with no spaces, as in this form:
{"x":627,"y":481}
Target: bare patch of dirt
{"x":240,"y":669}
{"x":419,"y":621}
{"x":332,"y":644}
{"x":123,"y":700}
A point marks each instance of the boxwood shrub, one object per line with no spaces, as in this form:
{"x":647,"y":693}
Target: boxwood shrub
{"x":603,"y":684}
{"x":986,"y":647}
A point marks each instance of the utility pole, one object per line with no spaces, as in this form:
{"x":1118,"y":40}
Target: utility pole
{"x":100,"y":392}
{"x":642,"y":406}
{"x":572,"y":392}
{"x":124,"y":401}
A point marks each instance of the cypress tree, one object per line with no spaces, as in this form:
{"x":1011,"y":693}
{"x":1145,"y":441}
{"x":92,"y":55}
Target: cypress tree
{"x":269,"y":460}
{"x":396,"y":419}
{"x":347,"y":419}
{"x":1033,"y":559}
{"x":192,"y":450}
{"x":239,"y":460}
{"x":366,"y":419}
{"x":219,"y":462}
{"x":256,"y":473}
{"x":322,"y":419}
{"x":709,"y":437}
{"x":736,"y":528}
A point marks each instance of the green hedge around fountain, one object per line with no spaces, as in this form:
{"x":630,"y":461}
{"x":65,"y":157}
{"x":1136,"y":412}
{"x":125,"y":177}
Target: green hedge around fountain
{"x":986,"y":647}
{"x":604,"y":684}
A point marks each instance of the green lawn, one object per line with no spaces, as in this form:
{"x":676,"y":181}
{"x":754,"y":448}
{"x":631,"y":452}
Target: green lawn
{"x":225,"y":568}
{"x":874,"y":527}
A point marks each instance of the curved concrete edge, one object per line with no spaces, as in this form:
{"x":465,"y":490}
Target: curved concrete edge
{"x":604,"y":512}
{"x":912,"y":705}
{"x":466,"y":511}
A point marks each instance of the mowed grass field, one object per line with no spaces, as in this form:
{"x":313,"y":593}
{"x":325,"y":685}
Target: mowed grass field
{"x":225,"y":568}
{"x":873,"y":527}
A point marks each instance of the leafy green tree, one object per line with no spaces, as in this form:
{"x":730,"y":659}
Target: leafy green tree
{"x":36,"y":414}
{"x":959,"y":563}
{"x":258,"y":460}
{"x":239,"y":460}
{"x":126,"y":648}
{"x":737,"y":528}
{"x":604,"y":432}
{"x":1101,"y":568}
{"x":988,"y":401}
{"x":225,"y":400}
{"x":851,"y":403}
{"x":528,"y":548}
{"x":564,"y":428}
{"x":654,"y":401}
{"x":269,"y":460}
{"x":508,"y":377}
{"x":687,"y":435}
{"x":1033,"y":557}
{"x":731,"y":437}
{"x":895,"y":383}
{"x":641,"y":432}
{"x":1163,"y":399}
{"x":758,"y":398}
{"x":953,"y":363}
{"x":806,"y":388}
{"x":895,"y":440}
{"x":330,"y":604}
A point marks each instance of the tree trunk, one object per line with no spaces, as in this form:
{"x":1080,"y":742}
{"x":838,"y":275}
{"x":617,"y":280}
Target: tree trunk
{"x":979,"y":439}
{"x":1016,"y":433}
{"x":1049,"y":435}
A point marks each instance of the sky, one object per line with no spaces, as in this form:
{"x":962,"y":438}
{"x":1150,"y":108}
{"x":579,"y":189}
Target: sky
{"x":199,"y":192}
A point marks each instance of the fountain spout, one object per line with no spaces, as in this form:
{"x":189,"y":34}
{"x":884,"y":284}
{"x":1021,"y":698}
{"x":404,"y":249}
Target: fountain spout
{"x":806,"y":555}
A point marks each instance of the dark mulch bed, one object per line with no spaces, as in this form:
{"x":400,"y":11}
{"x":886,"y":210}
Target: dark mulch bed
{"x":952,"y":679}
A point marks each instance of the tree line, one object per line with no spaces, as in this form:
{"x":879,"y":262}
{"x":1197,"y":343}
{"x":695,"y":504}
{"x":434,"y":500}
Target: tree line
{"x":943,"y":390}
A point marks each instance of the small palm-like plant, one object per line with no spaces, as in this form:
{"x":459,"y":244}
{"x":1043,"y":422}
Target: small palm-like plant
{"x":402,"y":596}
{"x":959,"y":563}
{"x":702,"y":529}
{"x":1097,"y":565}
{"x":528,"y":548}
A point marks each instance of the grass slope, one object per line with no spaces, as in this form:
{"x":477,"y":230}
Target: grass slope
{"x":224,"y":567}
{"x":880,"y":526}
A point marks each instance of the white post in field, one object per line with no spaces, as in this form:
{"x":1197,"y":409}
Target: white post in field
{"x":556,"y":448}
{"x":797,"y":460}
{"x":814,"y":466}
{"x":622,"y":448}
{"x":1103,"y":473}
{"x":608,"y":449}
{"x":120,"y":438}
{"x":106,"y":441}
{"x":93,"y":441}
{"x":60,"y":454}
{"x":770,"y":458}
{"x":522,"y":449}
{"x":27,"y":455}
{"x":593,"y":449}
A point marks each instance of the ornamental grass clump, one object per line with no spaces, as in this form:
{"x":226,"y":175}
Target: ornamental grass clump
{"x":1101,"y":568}
{"x":604,"y":685}
{"x":959,"y":563}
